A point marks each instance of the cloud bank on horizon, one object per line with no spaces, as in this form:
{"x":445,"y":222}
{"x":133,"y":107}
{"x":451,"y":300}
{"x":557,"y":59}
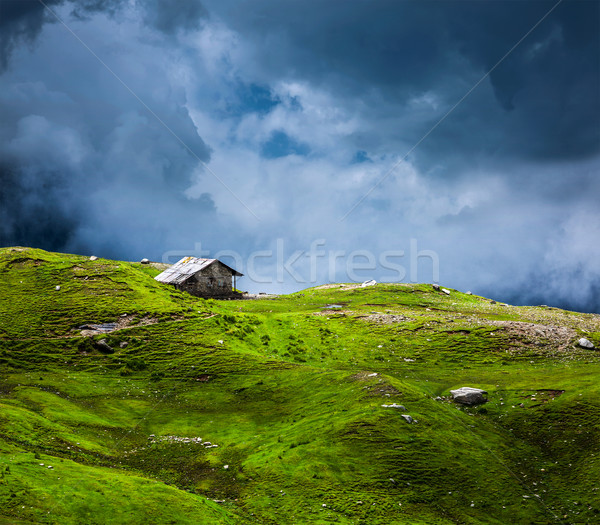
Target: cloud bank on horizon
{"x":259,"y":126}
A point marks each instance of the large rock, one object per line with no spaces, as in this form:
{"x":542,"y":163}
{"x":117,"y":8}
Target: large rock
{"x":394,"y":405}
{"x":469,"y":396}
{"x":586,"y":343}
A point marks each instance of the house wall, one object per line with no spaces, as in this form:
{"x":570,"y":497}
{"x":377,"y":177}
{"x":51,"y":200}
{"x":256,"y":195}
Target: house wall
{"x":213,"y":281}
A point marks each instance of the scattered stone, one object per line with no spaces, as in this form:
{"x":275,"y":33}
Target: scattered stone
{"x":145,"y":261}
{"x":467,"y":395}
{"x":408,"y":418}
{"x":447,"y":292}
{"x":93,"y":258}
{"x":178,"y":439}
{"x":394,"y":405}
{"x":57,"y":288}
{"x":104,"y":347}
{"x":586,"y":343}
{"x":436,"y":287}
{"x":374,"y":374}
{"x":123,"y":315}
{"x":102,"y":328}
{"x":123,"y":344}
{"x":438,"y":398}
{"x":492,"y":302}
{"x":226,"y":467}
{"x":469,"y":293}
{"x":371,"y":282}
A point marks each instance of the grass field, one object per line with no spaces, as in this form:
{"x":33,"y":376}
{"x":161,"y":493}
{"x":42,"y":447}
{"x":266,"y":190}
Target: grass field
{"x":270,"y":411}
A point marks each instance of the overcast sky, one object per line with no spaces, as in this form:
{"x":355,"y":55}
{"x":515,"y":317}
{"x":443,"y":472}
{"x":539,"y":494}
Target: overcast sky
{"x":463,"y":132}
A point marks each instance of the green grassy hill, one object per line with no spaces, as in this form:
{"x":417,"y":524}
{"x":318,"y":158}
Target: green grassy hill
{"x":271,"y":411}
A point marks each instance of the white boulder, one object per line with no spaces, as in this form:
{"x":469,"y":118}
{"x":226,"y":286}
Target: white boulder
{"x":469,"y":396}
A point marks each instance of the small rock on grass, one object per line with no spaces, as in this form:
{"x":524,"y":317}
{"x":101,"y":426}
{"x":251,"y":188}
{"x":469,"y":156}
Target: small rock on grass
{"x":586,"y":343}
{"x":93,"y":258}
{"x":436,"y":287}
{"x":408,"y":418}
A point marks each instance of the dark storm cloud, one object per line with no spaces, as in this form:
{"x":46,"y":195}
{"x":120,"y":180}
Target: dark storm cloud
{"x":171,"y":15}
{"x":546,"y":94}
{"x":20,"y":22}
{"x":33,"y":210}
{"x":85,"y":165}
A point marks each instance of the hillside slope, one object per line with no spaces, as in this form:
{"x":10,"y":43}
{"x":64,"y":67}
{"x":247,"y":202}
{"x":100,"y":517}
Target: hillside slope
{"x":271,"y":411}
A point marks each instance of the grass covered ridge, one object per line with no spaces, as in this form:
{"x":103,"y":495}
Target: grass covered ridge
{"x":270,"y":411}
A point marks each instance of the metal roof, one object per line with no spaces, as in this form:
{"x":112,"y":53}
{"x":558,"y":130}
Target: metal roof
{"x":182,"y":270}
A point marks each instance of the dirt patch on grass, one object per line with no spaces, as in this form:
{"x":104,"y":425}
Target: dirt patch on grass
{"x":378,"y":386}
{"x":329,"y":312}
{"x":338,"y":286}
{"x":385,"y":318}
{"x":25,"y":262}
{"x":122,"y":322}
{"x":559,"y":337}
{"x":364,"y":376}
{"x":544,"y":394}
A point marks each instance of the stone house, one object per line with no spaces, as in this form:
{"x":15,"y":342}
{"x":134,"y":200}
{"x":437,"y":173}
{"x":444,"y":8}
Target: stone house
{"x":202,"y":277}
